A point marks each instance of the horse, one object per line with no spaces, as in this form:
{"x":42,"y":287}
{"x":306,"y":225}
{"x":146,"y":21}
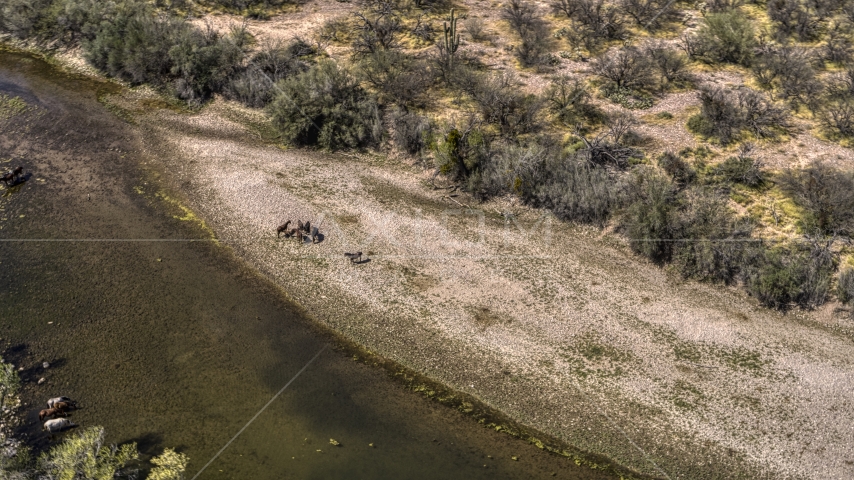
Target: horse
{"x":57,"y":425}
{"x":283,"y":228}
{"x":53,"y":401}
{"x":64,"y":406}
{"x":354,"y":257}
{"x":51,"y":412}
{"x":307,"y":227}
{"x":9,"y":177}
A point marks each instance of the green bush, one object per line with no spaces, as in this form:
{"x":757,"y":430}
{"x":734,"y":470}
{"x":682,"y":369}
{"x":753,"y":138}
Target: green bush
{"x":525,"y":19}
{"x":679,"y":170}
{"x":543,"y":175}
{"x":725,"y":114}
{"x":742,"y":170}
{"x":254,"y":85}
{"x":85,"y":455}
{"x":30,"y":18}
{"x":726,"y":37}
{"x":568,"y":98}
{"x":325,"y":106}
{"x":398,"y":78}
{"x":826,"y":196}
{"x":412,"y":132}
{"x":650,"y":218}
{"x":502,"y":103}
{"x":710,"y":240}
{"x":203,"y":61}
{"x":797,"y":276}
{"x":845,"y":285}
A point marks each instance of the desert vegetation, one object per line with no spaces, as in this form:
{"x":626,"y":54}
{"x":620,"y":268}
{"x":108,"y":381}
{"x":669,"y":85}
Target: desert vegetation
{"x":559,"y":120}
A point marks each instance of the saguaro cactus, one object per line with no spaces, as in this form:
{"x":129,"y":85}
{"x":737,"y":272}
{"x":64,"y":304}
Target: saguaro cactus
{"x":452,"y":38}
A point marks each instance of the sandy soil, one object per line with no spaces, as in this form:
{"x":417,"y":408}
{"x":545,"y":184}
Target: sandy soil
{"x":557,"y":325}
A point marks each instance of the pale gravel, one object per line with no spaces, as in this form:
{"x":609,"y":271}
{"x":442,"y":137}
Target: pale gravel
{"x":430,"y":271}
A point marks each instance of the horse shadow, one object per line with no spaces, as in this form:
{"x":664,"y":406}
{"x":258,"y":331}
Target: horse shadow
{"x":364,"y":260}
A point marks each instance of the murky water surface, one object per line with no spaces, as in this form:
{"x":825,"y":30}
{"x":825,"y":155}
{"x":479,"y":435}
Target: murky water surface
{"x":173,"y":343}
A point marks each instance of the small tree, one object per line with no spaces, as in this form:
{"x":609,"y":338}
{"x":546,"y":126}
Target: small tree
{"x":826,"y":195}
{"x":528,"y":23}
{"x":325,"y":106}
{"x":627,"y":67}
{"x":85,"y":456}
{"x":723,"y":37}
{"x":10,"y":384}
{"x":169,"y":465}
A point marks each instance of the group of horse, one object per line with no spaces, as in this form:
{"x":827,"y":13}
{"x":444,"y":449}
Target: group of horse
{"x":303,"y":230}
{"x":13,"y":176}
{"x":56,"y":413}
{"x":299,"y":232}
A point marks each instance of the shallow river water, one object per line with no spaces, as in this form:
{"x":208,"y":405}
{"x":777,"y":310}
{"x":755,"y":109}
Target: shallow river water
{"x":172,"y":343}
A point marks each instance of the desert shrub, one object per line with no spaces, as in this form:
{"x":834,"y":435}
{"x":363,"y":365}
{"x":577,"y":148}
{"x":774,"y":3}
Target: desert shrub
{"x":784,"y":277}
{"x":254,"y":85}
{"x":475,"y":28}
{"x":724,"y":114}
{"x":501,"y":103}
{"x":626,"y":68}
{"x":203,"y":61}
{"x":741,"y":169}
{"x":134,"y":45}
{"x":378,"y":27}
{"x":789,"y":71}
{"x":671,"y":65}
{"x":798,"y":18}
{"x":649,"y":219}
{"x":82,"y":19}
{"x":568,"y":98}
{"x":86,"y":454}
{"x":726,"y":37}
{"x":677,"y":168}
{"x":594,"y":21}
{"x":837,"y":116}
{"x":411,"y":131}
{"x":710,"y":245}
{"x":30,"y":18}
{"x":543,"y":175}
{"x":533,"y":31}
{"x":325,"y":106}
{"x":611,"y":148}
{"x":838,"y":46}
{"x":826,"y":196}
{"x":650,"y":14}
{"x":462,"y":150}
{"x":845,"y":285}
{"x":397,"y":77}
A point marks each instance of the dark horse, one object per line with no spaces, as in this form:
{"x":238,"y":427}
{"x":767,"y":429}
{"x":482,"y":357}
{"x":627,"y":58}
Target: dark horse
{"x":354,"y":257}
{"x":283,"y":228}
{"x":13,"y":176}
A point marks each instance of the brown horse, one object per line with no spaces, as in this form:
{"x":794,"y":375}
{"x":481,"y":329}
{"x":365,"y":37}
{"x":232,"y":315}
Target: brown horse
{"x":51,"y":412}
{"x":65,"y":406}
{"x":283,"y":228}
{"x":9,"y":177}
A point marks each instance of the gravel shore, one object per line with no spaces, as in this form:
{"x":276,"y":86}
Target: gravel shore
{"x":558,"y":326}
